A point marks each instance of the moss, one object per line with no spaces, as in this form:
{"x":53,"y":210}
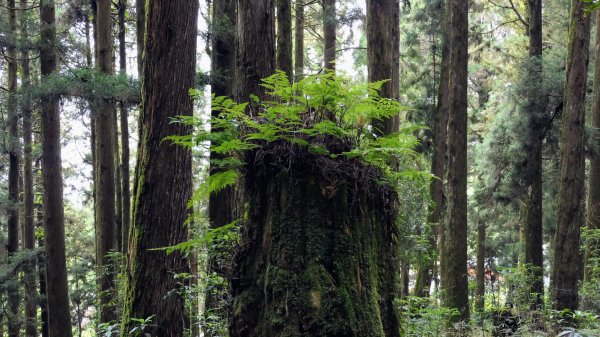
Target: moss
{"x":325,"y":268}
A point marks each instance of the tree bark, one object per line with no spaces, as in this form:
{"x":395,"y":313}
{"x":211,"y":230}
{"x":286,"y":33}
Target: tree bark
{"x":284,"y":38}
{"x":163,"y":173}
{"x":13,"y":170}
{"x":255,"y":60}
{"x":59,"y":319}
{"x":299,"y":39}
{"x":456,"y":293}
{"x":566,"y":270}
{"x":314,"y":263}
{"x":329,"y":34}
{"x":41,"y":260}
{"x":594,"y":178}
{"x":438,"y":169}
{"x":124,"y":168}
{"x":480,"y":275}
{"x":105,"y":166}
{"x":140,"y":33}
{"x":223,"y":47}
{"x":383,"y":22}
{"x":28,"y":216}
{"x":535,"y":106}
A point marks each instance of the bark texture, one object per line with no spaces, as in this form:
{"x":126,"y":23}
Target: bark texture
{"x":59,"y":319}
{"x":140,"y":32}
{"x":383,"y":25}
{"x":480,"y":269}
{"x":329,"y":34}
{"x":163,"y":173}
{"x":13,"y":171}
{"x":299,"y":41}
{"x":105,"y":167}
{"x":593,"y":217}
{"x":567,"y":256}
{"x":223,"y":47}
{"x":124,"y":167}
{"x":28,"y":216}
{"x":317,"y":249}
{"x":284,"y":38}
{"x":534,"y":108}
{"x":256,"y":47}
{"x":456,"y":293}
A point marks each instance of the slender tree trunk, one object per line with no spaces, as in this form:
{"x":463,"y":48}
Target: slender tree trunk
{"x":566,"y":271}
{"x":105,"y":166}
{"x":117,"y":183}
{"x":456,"y":293}
{"x":163,"y":172}
{"x":437,"y":187}
{"x":594,"y":178}
{"x":125,"y":186}
{"x":140,"y":32}
{"x":28,"y":216}
{"x":59,"y":319}
{"x":329,"y":34}
{"x":223,"y":47}
{"x":255,"y":61}
{"x":535,"y":106}
{"x":480,"y":276}
{"x":299,"y":38}
{"x":221,"y":209}
{"x":284,"y":38}
{"x":13,"y":170}
{"x":383,"y":22}
{"x":41,"y":260}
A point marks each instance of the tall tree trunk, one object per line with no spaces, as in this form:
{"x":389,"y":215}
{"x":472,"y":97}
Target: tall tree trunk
{"x":41,"y":260}
{"x":125,"y":186}
{"x":383,"y":22}
{"x":480,"y":275}
{"x":117,"y":183}
{"x":223,"y":47}
{"x":163,"y":173}
{"x":535,"y":106}
{"x":456,"y":293}
{"x":221,"y":204}
{"x":140,"y":33}
{"x":105,"y":166}
{"x":436,"y":217}
{"x":566,"y":271}
{"x":13,"y":169}
{"x":329,"y":34}
{"x":28,"y":216}
{"x":594,"y":179}
{"x":284,"y":38}
{"x":255,"y":61}
{"x":59,"y":319}
{"x":299,"y":39}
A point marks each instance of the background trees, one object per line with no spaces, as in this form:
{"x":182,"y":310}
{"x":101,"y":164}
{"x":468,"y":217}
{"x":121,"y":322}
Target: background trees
{"x":508,"y":145}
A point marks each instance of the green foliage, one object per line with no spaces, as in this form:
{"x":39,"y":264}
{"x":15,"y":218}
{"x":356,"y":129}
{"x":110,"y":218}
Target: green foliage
{"x":298,"y":114}
{"x":421,"y":318}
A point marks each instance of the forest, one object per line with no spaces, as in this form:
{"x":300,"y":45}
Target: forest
{"x":299,"y":168}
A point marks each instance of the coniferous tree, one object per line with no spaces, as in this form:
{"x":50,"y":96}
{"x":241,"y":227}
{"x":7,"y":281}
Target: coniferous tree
{"x":124,"y":168}
{"x":163,"y":171}
{"x":535,"y":106}
{"x":299,"y":41}
{"x":105,"y":166}
{"x":28,"y":205}
{"x":456,"y":294}
{"x":567,"y":256}
{"x":593,"y":217}
{"x":329,"y":34}
{"x":13,"y":170}
{"x":59,"y":320}
{"x":284,"y":38}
